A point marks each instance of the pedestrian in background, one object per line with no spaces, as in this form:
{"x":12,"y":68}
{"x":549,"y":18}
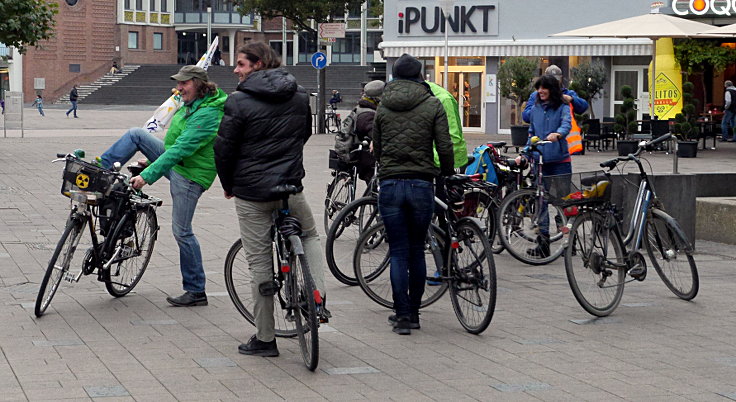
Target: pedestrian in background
{"x":38,"y":103}
{"x":409,"y":122}
{"x":73,"y":96}
{"x":729,"y":112}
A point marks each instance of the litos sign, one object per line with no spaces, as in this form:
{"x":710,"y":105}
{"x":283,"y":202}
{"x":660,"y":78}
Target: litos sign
{"x":703,"y":7}
{"x":463,"y":20}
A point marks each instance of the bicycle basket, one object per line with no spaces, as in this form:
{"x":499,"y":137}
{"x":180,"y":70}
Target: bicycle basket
{"x":82,"y":176}
{"x":578,"y":188}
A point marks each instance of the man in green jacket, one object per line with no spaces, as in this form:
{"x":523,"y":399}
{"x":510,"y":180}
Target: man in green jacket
{"x":186,"y":157}
{"x":459,"y":146}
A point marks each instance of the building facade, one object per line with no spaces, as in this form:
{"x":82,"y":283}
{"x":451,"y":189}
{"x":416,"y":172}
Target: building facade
{"x":483,"y":33}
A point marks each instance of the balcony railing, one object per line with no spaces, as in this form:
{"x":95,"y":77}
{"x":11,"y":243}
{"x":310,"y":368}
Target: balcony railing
{"x":217,"y":18}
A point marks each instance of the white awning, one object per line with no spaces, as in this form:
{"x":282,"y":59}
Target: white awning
{"x":527,"y":47}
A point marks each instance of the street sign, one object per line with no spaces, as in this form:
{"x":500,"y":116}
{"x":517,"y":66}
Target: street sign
{"x":319,"y":60}
{"x":332,"y":30}
{"x":327,"y":40}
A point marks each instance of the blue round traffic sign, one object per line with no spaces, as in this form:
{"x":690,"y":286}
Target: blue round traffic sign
{"x":319,"y":60}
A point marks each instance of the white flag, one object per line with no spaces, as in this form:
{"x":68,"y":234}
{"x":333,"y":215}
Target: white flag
{"x":164,"y":113}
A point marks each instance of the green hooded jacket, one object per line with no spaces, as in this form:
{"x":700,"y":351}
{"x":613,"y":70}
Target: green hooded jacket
{"x":459,"y":146}
{"x":189,"y":142}
{"x":409,"y":124}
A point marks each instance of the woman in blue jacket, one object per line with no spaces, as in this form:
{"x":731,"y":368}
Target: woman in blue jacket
{"x":550,"y":120}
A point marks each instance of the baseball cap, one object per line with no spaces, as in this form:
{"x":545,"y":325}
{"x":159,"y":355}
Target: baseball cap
{"x":188,"y":72}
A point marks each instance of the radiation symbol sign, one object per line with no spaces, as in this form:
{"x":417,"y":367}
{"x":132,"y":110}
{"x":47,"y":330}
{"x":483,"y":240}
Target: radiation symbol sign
{"x":82,"y":180}
{"x":668,"y":95}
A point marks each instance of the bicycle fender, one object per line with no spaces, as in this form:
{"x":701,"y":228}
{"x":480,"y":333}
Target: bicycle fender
{"x":474,"y":219}
{"x":296,"y":245}
{"x":675,"y":225}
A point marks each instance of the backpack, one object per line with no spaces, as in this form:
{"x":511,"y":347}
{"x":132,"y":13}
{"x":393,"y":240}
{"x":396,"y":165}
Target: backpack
{"x":347,"y":140}
{"x":483,"y":163}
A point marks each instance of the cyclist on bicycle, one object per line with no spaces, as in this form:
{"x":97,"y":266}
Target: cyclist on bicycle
{"x":260,"y":145}
{"x":336,"y":98}
{"x":186,"y":158}
{"x":550,"y":121}
{"x":358,"y":127}
{"x":409,"y":121}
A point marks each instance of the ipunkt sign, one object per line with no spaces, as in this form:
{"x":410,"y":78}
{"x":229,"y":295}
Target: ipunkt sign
{"x":703,"y":7}
{"x":464,"y":19}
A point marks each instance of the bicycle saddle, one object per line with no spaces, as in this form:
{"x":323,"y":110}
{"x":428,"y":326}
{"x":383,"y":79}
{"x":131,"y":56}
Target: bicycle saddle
{"x":497,"y":144}
{"x":283,"y":190}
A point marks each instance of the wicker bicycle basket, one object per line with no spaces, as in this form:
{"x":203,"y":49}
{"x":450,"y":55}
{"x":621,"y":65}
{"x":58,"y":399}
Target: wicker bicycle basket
{"x":82,"y":176}
{"x":578,"y":188}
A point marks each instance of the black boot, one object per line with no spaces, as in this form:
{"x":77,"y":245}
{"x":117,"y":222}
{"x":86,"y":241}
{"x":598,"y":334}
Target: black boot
{"x":542,"y":249}
{"x":256,"y":347}
{"x":188,"y":299}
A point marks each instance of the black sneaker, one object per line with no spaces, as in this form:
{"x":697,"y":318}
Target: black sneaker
{"x":322,"y":312}
{"x":413,"y":321}
{"x":542,"y":249}
{"x":188,"y":299}
{"x":256,"y":347}
{"x":402,"y":326}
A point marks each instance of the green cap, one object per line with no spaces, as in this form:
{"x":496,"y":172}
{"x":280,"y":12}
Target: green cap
{"x":188,"y":72}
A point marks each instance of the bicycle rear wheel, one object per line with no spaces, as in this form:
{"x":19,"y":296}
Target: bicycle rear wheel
{"x":339,"y":194}
{"x":136,"y":247}
{"x":238,"y":281}
{"x":671,"y":255}
{"x":595,"y":264}
{"x":473,"y":278}
{"x":520,"y":224}
{"x":344,"y":233}
{"x":60,"y":262}
{"x":372,"y":263}
{"x":305,"y":314}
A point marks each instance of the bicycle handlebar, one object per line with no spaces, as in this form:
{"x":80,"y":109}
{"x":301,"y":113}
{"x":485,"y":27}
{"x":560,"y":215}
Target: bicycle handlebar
{"x":644,"y":145}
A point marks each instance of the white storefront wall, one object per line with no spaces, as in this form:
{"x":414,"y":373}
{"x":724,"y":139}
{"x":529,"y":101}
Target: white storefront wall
{"x":494,"y":29}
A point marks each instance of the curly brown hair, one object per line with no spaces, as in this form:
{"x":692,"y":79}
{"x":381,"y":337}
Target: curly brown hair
{"x":204,"y":88}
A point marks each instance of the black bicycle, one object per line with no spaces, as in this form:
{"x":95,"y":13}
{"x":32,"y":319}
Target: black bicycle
{"x":332,"y":119}
{"x":598,"y":258}
{"x":295,"y":307}
{"x":458,"y":246}
{"x":102,"y":201}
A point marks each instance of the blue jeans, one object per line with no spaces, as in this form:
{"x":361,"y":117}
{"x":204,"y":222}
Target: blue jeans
{"x":40,"y":110}
{"x":727,"y":125}
{"x":551,"y":169}
{"x":72,"y":109}
{"x":184,"y":195}
{"x":406,"y":207}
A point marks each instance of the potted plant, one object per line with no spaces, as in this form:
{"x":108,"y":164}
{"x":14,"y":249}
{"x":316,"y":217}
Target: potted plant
{"x":685,"y":128}
{"x":626,"y":124}
{"x":515,"y":83}
{"x":588,"y":81}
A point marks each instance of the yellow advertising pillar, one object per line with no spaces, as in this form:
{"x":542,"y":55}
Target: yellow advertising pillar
{"x":668,"y":85}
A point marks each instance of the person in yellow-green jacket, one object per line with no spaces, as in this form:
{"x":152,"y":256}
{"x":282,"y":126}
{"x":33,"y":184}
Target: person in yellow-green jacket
{"x":459,"y":146}
{"x":187,"y":158}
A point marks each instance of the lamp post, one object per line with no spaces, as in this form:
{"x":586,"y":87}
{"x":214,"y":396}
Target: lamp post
{"x":209,"y":26}
{"x":447,"y":7}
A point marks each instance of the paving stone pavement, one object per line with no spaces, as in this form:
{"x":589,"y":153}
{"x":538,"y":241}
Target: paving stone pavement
{"x":541,"y":344}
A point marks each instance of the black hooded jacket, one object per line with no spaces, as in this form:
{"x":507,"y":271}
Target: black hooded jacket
{"x":260,"y":143}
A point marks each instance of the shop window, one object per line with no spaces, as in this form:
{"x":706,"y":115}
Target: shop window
{"x":158,"y":41}
{"x":225,"y":43}
{"x":133,"y":40}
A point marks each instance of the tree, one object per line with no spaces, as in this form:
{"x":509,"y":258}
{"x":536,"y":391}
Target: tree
{"x":695,"y":54}
{"x":685,"y":121}
{"x":25,"y":23}
{"x":298,"y":11}
{"x":626,"y":118}
{"x":515,"y":82}
{"x":588,"y":80}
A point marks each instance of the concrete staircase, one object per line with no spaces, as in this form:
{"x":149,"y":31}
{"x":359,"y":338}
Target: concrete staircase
{"x":106,"y":80}
{"x":151,"y":84}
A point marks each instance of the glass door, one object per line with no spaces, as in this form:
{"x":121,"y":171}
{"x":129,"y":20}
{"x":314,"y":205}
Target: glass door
{"x":467,"y":88}
{"x":637,"y":78}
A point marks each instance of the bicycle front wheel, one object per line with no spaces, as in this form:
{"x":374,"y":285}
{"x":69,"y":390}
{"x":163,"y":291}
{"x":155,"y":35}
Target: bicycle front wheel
{"x":521,"y":224}
{"x":344,"y":233}
{"x":60,"y":262}
{"x":135,"y":240}
{"x":671,"y":255}
{"x":473,"y":278}
{"x":339,"y":194}
{"x":239,"y":285}
{"x":595,"y":263}
{"x":372,"y":264}
{"x":303,"y":299}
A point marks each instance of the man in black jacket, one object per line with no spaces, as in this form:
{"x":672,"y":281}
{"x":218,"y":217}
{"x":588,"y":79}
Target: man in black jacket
{"x":73,"y":96}
{"x":259,"y":146}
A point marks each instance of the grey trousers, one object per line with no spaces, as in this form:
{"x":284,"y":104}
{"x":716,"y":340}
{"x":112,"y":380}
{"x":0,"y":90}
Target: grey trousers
{"x":255,"y":220}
